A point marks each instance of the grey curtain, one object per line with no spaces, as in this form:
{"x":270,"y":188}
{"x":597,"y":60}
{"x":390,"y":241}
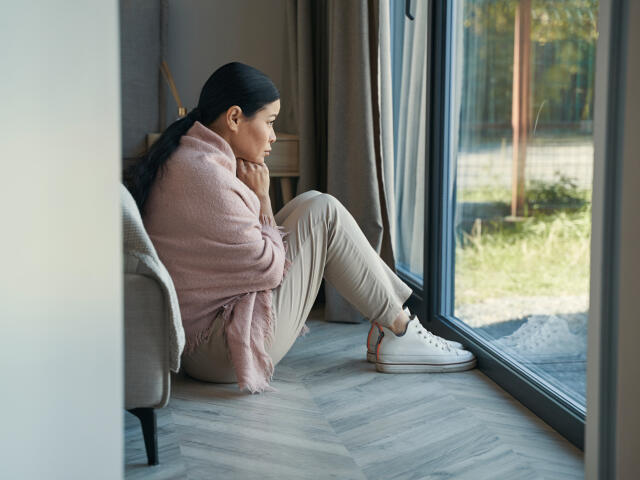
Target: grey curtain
{"x":306,"y":77}
{"x":334,"y":68}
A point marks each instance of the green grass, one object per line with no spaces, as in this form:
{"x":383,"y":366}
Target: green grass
{"x":542,"y":255}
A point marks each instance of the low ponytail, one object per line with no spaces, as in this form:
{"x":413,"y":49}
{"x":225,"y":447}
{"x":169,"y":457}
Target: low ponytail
{"x":232,"y":84}
{"x":140,"y":177}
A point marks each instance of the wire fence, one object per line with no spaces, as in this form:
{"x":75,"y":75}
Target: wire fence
{"x":548,"y":159}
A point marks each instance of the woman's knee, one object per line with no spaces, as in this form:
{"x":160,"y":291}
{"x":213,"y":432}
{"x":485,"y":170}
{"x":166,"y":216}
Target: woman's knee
{"x":322,"y":207}
{"x":328,"y":202}
{"x":309,"y":194}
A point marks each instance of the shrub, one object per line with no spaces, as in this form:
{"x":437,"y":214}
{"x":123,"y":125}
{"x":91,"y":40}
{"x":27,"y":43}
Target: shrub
{"x":561,"y":194}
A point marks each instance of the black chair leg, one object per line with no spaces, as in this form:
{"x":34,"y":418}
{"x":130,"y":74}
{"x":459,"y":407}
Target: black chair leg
{"x":147,"y":418}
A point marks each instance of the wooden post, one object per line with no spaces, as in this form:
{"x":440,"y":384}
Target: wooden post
{"x":520,"y":103}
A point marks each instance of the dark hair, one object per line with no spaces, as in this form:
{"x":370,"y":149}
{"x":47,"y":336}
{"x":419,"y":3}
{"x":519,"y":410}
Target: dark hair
{"x":232,"y":84}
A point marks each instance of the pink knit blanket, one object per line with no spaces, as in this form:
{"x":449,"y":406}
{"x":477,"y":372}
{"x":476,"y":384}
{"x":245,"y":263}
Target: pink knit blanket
{"x":204,"y":223}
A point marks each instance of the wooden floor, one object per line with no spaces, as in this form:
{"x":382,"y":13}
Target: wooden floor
{"x":334,"y":416}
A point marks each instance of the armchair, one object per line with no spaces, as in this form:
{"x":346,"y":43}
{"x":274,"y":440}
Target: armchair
{"x":154,"y":336}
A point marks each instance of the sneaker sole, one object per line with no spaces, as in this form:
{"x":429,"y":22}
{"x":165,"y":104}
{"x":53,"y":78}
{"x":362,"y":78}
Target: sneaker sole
{"x":371,"y":356}
{"x":425,"y":367}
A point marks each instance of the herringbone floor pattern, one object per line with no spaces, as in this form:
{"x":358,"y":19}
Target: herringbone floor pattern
{"x":334,"y":416}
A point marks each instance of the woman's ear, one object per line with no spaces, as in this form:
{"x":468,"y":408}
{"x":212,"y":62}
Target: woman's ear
{"x":234,"y":113}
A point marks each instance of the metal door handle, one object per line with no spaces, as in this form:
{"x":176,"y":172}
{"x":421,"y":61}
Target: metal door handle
{"x":410,"y":9}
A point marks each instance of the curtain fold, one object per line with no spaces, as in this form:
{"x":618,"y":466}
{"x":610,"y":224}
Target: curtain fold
{"x":334,"y":70}
{"x":384,"y":162}
{"x":302,"y":115}
{"x":387,"y":138}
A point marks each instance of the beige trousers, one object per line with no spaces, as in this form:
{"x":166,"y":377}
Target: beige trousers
{"x":324,"y":241}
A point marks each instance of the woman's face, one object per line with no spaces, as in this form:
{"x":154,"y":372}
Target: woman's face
{"x":253,"y":139}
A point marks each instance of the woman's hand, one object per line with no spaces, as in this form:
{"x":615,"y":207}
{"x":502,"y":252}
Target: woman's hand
{"x":254,"y":175}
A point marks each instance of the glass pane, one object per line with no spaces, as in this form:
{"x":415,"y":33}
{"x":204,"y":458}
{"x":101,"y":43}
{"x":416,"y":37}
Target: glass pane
{"x":522,"y":76}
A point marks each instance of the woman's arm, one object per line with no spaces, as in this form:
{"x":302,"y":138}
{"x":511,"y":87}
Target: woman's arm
{"x":268,"y":254}
{"x":266,"y":213}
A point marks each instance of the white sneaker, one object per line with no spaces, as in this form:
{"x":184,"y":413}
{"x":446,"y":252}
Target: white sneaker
{"x":375,"y":334}
{"x":417,"y":350}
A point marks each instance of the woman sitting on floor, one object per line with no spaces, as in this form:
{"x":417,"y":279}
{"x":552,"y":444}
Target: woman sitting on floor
{"x":246,"y":280}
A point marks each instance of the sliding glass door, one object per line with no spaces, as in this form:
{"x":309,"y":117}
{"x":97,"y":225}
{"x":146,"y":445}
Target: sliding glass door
{"x":510,"y":148}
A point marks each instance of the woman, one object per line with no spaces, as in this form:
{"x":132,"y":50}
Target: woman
{"x":245,"y":291}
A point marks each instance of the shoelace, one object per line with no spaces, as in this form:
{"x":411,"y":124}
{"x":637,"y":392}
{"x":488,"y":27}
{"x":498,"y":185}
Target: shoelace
{"x":431,"y":338}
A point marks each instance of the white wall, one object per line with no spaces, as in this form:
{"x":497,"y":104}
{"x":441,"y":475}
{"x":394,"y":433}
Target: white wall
{"x":60,"y":255}
{"x":205,"y":34}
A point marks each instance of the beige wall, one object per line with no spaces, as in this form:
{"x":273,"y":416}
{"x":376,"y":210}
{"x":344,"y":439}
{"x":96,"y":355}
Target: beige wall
{"x":204,"y":35}
{"x":60,"y":245}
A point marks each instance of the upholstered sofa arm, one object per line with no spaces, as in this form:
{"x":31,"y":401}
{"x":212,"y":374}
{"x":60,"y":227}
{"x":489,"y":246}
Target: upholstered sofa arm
{"x":147,"y":377}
